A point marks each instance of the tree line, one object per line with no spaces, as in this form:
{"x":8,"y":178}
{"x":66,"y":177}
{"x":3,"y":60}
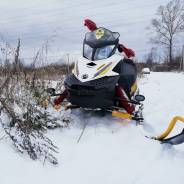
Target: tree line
{"x":167,"y":31}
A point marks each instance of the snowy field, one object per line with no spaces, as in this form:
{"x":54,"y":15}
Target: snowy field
{"x":111,"y":151}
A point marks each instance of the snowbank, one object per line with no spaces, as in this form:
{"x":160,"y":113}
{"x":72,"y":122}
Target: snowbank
{"x":111,"y":151}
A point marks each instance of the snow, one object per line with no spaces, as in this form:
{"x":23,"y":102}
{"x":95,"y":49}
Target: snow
{"x":111,"y":151}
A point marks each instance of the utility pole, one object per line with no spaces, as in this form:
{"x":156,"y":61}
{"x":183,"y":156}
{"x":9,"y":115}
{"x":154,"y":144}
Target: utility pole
{"x":46,"y":52}
{"x":6,"y":52}
{"x":183,"y":58}
{"x":68,"y":63}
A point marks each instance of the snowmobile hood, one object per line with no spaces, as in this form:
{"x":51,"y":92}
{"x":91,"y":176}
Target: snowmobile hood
{"x":86,"y":70}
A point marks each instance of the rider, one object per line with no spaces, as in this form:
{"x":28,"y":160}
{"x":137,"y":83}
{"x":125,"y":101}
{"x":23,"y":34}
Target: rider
{"x":124,"y":99}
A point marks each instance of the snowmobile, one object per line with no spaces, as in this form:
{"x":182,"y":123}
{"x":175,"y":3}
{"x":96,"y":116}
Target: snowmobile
{"x":93,"y":83}
{"x":96,"y":75}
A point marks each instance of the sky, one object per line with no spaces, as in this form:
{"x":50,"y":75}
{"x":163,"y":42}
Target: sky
{"x":59,"y":23}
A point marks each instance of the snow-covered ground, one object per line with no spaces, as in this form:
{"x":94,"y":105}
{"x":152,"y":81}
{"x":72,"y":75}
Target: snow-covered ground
{"x":111,"y":151}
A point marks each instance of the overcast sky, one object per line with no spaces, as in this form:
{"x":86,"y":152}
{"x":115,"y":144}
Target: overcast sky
{"x":35,"y":21}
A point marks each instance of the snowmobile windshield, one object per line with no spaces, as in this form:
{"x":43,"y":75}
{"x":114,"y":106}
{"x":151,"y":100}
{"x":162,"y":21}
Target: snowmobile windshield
{"x":98,"y":53}
{"x":104,"y":52}
{"x":100,"y":44}
{"x":88,"y":51}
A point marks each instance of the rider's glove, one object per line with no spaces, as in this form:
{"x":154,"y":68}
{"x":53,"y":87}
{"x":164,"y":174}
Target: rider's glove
{"x":129,"y":52}
{"x":90,"y":24}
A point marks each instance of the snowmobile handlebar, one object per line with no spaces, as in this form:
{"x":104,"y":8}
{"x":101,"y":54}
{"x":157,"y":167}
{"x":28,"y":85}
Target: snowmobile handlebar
{"x":57,"y":94}
{"x":137,"y":101}
{"x":52,"y":92}
{"x":129,"y":101}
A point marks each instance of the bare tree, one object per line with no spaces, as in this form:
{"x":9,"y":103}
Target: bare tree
{"x":151,"y":57}
{"x":168,"y":25}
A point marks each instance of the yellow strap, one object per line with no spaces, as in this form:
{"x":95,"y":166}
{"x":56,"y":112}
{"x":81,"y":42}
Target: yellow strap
{"x":170,"y":127}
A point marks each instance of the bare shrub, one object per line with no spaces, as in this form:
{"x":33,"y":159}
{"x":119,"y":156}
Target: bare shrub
{"x":21,"y":91}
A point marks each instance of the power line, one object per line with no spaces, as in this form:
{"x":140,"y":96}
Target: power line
{"x":70,"y":31}
{"x":59,"y":11}
{"x":114,"y":12}
{"x":68,"y":19}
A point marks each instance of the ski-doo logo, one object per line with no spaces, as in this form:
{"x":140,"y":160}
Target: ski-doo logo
{"x":85,"y":76}
{"x":99,"y":33}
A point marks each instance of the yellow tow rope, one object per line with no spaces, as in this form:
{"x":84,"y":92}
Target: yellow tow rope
{"x":170,"y":127}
